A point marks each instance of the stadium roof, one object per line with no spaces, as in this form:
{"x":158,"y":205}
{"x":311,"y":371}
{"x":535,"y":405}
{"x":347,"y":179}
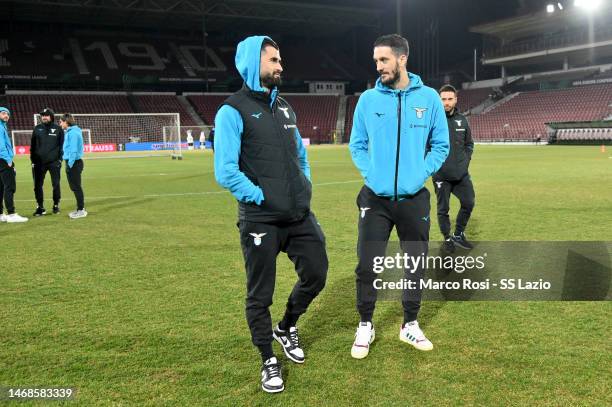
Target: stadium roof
{"x":300,"y":17}
{"x":540,"y":22}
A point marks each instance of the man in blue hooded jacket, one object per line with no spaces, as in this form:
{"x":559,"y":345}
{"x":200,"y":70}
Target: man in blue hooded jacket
{"x":7,"y":172}
{"x":260,"y":159}
{"x":399,"y":139}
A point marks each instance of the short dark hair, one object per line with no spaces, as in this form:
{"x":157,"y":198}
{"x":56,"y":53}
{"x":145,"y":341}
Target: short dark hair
{"x":268,"y":42}
{"x":399,"y":45}
{"x":448,"y":88}
{"x":68,"y":118}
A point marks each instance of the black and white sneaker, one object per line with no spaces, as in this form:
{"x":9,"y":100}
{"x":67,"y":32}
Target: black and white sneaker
{"x":290,"y":342}
{"x":56,"y":209}
{"x":462,"y":242}
{"x":272,"y":376}
{"x":449,"y":245}
{"x":39,"y":211}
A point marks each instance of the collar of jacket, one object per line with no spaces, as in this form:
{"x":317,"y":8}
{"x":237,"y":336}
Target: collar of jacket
{"x":269,"y":98}
{"x":415,"y":83}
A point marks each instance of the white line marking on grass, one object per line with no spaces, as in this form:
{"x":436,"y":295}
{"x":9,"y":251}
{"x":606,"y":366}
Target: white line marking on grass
{"x":131,"y":176}
{"x":184,"y":194}
{"x":178,"y":194}
{"x":336,"y":183}
{"x":89,"y":198}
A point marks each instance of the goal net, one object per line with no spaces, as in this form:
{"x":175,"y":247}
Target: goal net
{"x":195,"y":132}
{"x":144,"y":134}
{"x":23,"y":138}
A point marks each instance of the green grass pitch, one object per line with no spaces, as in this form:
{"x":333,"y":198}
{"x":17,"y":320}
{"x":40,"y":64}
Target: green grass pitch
{"x":142,"y":302}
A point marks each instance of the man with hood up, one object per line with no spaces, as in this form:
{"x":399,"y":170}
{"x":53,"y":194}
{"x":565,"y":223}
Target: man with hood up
{"x":398,"y":140}
{"x":261,"y":160}
{"x":7,"y":172}
{"x":46,"y":156}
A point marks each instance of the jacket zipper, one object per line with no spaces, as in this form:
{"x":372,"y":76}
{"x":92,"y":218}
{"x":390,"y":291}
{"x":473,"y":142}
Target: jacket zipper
{"x":283,"y":142}
{"x":399,"y":131}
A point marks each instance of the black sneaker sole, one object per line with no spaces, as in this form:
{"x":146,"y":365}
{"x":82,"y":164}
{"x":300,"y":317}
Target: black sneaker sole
{"x":466,"y":247}
{"x":289,"y":355}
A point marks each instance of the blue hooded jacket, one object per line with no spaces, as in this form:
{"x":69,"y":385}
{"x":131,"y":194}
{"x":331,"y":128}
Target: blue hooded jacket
{"x":73,"y":145}
{"x":229,"y":128}
{"x":6,"y":146}
{"x":399,"y":137}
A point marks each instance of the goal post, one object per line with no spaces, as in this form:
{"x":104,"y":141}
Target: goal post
{"x":22,"y":140}
{"x":142,"y":133}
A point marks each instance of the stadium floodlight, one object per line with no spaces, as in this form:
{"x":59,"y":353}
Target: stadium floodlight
{"x":550,"y":8}
{"x":588,"y":5}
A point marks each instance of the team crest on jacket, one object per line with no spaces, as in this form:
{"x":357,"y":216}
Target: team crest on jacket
{"x":363,"y":212}
{"x":419,"y":111}
{"x":257,"y":238}
{"x":284,"y":109}
{"x":439,"y":184}
{"x":458,"y":122}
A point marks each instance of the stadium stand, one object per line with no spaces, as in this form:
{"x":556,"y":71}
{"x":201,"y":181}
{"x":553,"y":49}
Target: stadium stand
{"x":351,"y":103}
{"x":163,"y":103}
{"x":469,"y":98}
{"x":206,"y":105}
{"x":316,"y":116}
{"x":524,"y":116}
{"x":25,"y":106}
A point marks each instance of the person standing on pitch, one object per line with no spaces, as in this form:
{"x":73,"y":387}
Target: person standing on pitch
{"x":454,"y":177}
{"x":202,"y":140}
{"x":7,"y":172}
{"x":73,"y":153}
{"x":189,"y":140}
{"x":399,"y":139}
{"x":46,"y":156}
{"x":211,"y":138}
{"x":261,"y":160}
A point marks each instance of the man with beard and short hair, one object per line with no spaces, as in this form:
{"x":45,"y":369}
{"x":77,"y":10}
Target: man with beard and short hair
{"x":398,"y":140}
{"x":454,"y":177}
{"x":260,"y":159}
{"x":46,"y":156}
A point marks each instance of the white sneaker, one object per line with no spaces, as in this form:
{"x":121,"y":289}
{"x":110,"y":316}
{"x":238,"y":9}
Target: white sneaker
{"x":412,"y":334}
{"x":78,"y":214}
{"x":272,"y":376}
{"x":15,"y":218}
{"x":363,"y":338}
{"x":2,"y":217}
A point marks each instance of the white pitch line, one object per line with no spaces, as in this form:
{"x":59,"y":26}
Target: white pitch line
{"x":129,"y":176}
{"x":89,"y":198}
{"x":183,"y":193}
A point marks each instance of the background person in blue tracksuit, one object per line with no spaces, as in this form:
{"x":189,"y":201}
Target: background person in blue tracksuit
{"x":260,"y":159}
{"x":73,"y":153}
{"x":399,"y":139}
{"x":7,"y":172}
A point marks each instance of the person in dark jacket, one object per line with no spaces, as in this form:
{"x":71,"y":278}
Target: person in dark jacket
{"x":46,"y":156}
{"x":454,"y":177}
{"x":261,"y":160}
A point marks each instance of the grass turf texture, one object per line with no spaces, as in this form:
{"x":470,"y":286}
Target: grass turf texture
{"x":143,"y":301}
